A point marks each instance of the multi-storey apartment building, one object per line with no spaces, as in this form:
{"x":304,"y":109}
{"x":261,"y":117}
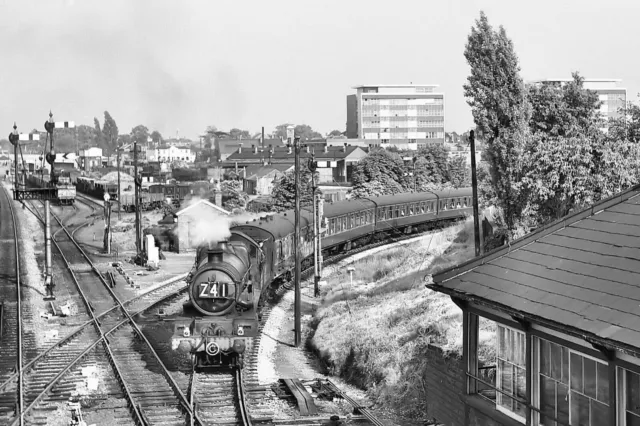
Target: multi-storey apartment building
{"x":613,"y":98}
{"x":407,"y":116}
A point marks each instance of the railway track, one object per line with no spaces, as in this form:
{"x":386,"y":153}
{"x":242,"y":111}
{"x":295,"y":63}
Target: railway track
{"x":11,"y":400}
{"x":54,"y":373}
{"x":218,"y":397}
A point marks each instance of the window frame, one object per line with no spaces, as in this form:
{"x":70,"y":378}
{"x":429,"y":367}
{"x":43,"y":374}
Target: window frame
{"x":535,"y":383}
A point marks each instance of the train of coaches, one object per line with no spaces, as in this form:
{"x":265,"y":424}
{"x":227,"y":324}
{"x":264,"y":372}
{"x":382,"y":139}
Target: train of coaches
{"x":229,"y":281}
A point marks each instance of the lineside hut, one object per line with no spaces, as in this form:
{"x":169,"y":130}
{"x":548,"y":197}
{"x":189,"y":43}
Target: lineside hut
{"x":565,"y":306}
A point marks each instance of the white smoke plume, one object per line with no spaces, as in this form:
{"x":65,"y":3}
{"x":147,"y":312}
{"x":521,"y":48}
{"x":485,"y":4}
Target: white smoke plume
{"x":205,"y":226}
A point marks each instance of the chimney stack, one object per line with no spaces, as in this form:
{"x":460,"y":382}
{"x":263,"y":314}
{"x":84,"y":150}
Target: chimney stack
{"x":344,"y":147}
{"x":326,"y":148}
{"x":255,"y":149}
{"x":239,"y":148}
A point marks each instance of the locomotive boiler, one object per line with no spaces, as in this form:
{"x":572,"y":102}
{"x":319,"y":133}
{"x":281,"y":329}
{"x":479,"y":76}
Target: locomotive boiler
{"x":224,"y":292}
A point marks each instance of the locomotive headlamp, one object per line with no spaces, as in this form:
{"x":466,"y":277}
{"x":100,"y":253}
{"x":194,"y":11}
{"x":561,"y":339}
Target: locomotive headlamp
{"x":186,"y":332}
{"x":240,"y":331}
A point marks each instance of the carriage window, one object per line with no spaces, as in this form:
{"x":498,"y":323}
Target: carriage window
{"x":344,"y":223}
{"x":464,"y":202}
{"x":458,"y":204}
{"x":358,"y":219}
{"x":443,"y":205}
{"x":403,"y":210}
{"x":352,"y":221}
{"x":422,"y":207}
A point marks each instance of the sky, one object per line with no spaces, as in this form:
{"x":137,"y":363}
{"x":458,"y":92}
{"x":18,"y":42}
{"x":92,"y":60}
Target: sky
{"x":180,"y":66}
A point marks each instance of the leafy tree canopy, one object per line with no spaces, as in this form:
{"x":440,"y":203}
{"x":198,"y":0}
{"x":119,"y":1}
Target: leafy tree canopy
{"x":283,"y":195}
{"x":304,"y":131}
{"x":140,"y":134}
{"x":239,"y":134}
{"x":110,"y":131}
{"x":627,"y":126}
{"x":156,"y":137}
{"x":380,"y":171}
{"x":496,"y":93}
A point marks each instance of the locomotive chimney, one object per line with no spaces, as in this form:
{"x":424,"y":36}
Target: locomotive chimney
{"x":214,"y":255}
{"x":240,"y":148}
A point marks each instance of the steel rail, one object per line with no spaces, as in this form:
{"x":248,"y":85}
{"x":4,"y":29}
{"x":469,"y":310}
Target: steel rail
{"x":20,"y":408}
{"x":242,"y":403}
{"x":128,"y":396}
{"x":175,"y":387}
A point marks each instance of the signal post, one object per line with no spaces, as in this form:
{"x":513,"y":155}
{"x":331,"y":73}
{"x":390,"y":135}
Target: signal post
{"x":22,"y":193}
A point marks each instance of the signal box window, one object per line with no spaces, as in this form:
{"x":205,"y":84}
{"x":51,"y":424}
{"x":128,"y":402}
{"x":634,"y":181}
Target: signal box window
{"x":498,"y":371}
{"x":573,"y":388}
{"x":629,"y":396}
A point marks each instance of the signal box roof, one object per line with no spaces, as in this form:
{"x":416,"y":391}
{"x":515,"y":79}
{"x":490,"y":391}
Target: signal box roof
{"x":579,"y":275}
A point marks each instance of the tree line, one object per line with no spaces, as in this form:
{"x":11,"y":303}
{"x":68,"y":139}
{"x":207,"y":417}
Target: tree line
{"x":545,"y":146}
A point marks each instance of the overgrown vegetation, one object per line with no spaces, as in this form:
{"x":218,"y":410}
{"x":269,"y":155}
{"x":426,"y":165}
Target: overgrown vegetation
{"x":375,"y":332}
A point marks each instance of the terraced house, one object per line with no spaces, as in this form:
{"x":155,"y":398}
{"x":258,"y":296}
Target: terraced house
{"x":551,"y":324}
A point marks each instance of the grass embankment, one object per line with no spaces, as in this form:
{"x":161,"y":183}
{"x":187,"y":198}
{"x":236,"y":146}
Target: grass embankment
{"x":374,"y":333}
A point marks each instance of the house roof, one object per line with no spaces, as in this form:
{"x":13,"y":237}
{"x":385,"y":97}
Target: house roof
{"x":333,"y":153}
{"x":580,"y":274}
{"x":205,"y":202}
{"x":260,"y":171}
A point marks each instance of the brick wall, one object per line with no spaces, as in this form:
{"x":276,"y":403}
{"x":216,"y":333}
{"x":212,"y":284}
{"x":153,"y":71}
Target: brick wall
{"x":443,"y":387}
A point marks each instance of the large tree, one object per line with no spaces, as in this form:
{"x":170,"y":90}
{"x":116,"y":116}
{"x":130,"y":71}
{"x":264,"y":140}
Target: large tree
{"x":627,"y":125}
{"x":380,"y":173}
{"x":304,"y":131}
{"x":239,"y":134}
{"x":110,"y":131}
{"x":561,"y":165}
{"x":140,"y":134}
{"x":283,"y":195}
{"x":497,"y":96}
{"x":156,"y":137}
{"x":98,"y":136}
{"x":85,"y":135}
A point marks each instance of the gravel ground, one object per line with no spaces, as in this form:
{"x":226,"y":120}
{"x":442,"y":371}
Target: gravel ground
{"x":279,"y":359}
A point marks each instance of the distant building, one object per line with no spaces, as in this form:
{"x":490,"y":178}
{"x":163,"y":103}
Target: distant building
{"x":465,"y":152}
{"x":335,"y":163}
{"x":408,"y":116}
{"x":613,"y":97}
{"x":90,"y":158}
{"x":171,"y":153}
{"x":259,"y":179}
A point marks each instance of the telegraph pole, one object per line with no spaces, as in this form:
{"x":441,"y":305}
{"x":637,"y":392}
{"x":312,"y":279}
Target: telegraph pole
{"x":474,"y":185}
{"x":136,"y":195}
{"x":119,"y":194}
{"x":296,"y":245}
{"x":316,"y":228}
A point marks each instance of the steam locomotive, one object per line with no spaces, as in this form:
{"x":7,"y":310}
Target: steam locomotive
{"x":229,"y":279}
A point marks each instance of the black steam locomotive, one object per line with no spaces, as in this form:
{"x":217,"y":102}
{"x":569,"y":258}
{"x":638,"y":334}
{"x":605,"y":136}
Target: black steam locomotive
{"x":228,"y":281}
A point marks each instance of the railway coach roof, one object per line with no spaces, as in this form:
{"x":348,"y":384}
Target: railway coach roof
{"x":580,"y":274}
{"x":406,"y":197}
{"x":339,"y":208}
{"x":280,"y":224}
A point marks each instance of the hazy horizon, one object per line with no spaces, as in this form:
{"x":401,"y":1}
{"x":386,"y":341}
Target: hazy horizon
{"x":186,"y":65}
